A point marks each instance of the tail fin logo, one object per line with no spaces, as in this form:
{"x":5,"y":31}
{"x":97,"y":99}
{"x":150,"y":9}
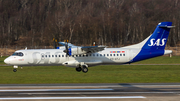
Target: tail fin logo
{"x":157,"y":42}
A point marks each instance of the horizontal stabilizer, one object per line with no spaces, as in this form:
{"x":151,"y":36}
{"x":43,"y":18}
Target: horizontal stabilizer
{"x":167,"y":52}
{"x":166,"y":26}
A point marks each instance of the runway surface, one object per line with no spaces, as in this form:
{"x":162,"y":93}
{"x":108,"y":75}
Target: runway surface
{"x":92,"y":92}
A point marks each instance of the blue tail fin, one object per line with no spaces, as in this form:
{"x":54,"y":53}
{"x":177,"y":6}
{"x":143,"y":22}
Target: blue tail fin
{"x":158,"y":39}
{"x":155,"y":44}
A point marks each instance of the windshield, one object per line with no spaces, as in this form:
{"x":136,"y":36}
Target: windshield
{"x":17,"y":54}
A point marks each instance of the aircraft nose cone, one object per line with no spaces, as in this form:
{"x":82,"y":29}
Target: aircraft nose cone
{"x":6,"y":61}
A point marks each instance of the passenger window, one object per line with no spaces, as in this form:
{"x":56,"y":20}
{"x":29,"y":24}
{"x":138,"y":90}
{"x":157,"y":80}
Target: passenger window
{"x":117,"y":54}
{"x":59,"y":55}
{"x":97,"y":54}
{"x":62,"y":55}
{"x":104,"y":54}
{"x":110,"y":54}
{"x":123,"y":54}
{"x":120,"y":54}
{"x":76,"y":55}
{"x":46,"y":55}
{"x":49,"y":55}
{"x":93,"y":54}
{"x":114,"y":54}
{"x":86,"y":55}
{"x":56,"y":55}
{"x":100,"y":54}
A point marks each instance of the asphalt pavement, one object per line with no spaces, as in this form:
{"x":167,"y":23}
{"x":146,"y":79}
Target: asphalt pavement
{"x":91,"y":92}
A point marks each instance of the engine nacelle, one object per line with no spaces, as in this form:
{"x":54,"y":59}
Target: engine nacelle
{"x":76,"y":51}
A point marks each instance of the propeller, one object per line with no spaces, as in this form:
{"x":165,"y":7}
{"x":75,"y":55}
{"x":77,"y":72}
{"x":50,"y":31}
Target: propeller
{"x":67,"y":50}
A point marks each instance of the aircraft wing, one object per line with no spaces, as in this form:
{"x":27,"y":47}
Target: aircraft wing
{"x":93,"y":49}
{"x":85,"y":49}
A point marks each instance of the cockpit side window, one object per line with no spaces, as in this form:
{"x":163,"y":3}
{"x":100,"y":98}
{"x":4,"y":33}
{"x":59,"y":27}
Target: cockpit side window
{"x":17,"y":54}
{"x":20,"y":54}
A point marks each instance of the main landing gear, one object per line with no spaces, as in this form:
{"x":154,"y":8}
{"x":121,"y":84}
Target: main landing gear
{"x":83,"y":68}
{"x":78,"y":69}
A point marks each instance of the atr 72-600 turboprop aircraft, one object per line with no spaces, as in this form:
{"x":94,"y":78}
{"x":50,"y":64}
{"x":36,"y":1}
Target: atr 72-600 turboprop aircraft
{"x":83,"y":57}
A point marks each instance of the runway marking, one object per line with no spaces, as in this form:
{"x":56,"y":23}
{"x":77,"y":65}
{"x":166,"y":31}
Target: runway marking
{"x":17,"y":90}
{"x":48,"y":98}
{"x":100,"y":93}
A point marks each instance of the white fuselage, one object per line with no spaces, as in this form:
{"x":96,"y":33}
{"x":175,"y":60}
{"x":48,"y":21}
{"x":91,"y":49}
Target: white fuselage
{"x":58,"y":57}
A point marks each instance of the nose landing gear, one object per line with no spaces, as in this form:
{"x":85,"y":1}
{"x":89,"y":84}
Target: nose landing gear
{"x":15,"y":70}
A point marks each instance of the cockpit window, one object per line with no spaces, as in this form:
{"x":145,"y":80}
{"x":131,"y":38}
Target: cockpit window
{"x":17,"y":54}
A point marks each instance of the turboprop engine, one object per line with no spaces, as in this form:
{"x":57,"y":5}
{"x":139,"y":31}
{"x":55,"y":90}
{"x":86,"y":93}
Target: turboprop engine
{"x":75,"y":51}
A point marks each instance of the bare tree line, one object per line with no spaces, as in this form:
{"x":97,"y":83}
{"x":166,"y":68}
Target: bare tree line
{"x":108,"y":22}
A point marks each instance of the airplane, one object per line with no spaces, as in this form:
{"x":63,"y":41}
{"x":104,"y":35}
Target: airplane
{"x":81,"y":58}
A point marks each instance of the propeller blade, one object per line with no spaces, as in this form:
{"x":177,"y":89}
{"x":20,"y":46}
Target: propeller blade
{"x":67,"y":49}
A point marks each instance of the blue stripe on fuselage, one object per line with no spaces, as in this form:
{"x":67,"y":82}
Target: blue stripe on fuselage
{"x":146,"y":54}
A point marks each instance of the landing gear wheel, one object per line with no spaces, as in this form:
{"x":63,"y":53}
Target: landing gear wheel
{"x":78,"y":69}
{"x":14,"y":70}
{"x":85,"y":69}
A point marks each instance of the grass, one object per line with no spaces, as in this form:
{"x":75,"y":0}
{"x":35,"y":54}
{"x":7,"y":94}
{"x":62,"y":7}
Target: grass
{"x":2,"y":60}
{"x":161,"y":60}
{"x":97,"y":74}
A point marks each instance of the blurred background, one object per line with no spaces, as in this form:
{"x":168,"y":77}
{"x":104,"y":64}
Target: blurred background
{"x":115,"y":23}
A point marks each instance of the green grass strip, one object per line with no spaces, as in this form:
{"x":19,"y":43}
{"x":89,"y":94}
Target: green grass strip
{"x":97,"y":74}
